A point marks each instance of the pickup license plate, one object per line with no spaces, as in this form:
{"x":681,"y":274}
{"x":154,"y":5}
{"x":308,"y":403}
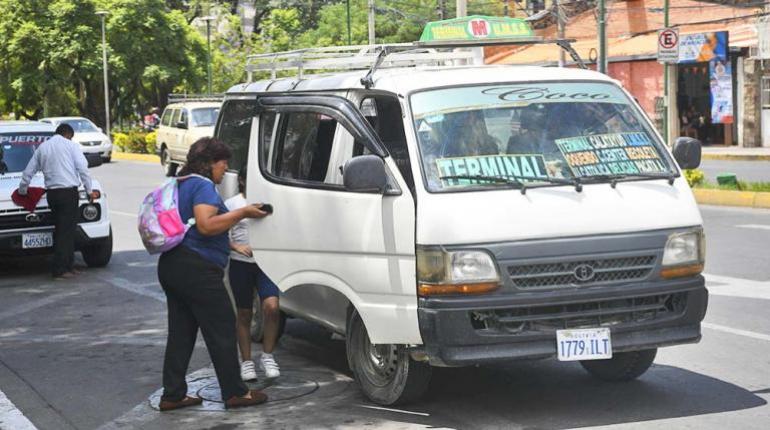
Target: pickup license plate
{"x":37,"y":240}
{"x":583,"y":344}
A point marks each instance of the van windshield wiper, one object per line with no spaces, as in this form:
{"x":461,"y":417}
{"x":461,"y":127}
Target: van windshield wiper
{"x":516,"y":180}
{"x":614,"y":179}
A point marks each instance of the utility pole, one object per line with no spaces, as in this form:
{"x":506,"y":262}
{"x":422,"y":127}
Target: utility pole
{"x":602,"y":66}
{"x":350,"y":37}
{"x":505,"y":8}
{"x":103,"y":14}
{"x":371,"y":22}
{"x":208,"y":20}
{"x":441,"y":10}
{"x":560,"y":30}
{"x":666,"y":94}
{"x":462,"y":8}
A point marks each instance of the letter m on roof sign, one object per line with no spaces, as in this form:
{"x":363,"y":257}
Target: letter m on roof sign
{"x":479,"y":28}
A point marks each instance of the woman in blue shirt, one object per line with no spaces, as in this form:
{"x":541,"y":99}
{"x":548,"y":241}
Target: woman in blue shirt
{"x":192,"y":278}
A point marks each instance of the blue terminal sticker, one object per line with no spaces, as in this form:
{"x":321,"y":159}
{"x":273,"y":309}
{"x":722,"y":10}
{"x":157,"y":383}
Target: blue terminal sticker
{"x":611,"y":154}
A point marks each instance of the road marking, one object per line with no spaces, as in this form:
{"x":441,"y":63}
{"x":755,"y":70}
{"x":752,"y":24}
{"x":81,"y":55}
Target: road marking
{"x":141,"y":289}
{"x":32,"y":305}
{"x":379,"y":408}
{"x":758,"y":226}
{"x":751,"y":334}
{"x":123,"y":214}
{"x":736,"y":287}
{"x":11,"y":417}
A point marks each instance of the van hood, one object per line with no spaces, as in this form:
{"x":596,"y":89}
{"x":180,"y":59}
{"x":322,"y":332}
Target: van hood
{"x":465,"y":218}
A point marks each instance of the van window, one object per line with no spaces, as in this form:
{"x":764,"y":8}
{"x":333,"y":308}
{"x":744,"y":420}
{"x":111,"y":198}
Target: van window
{"x":384,"y":114}
{"x":175,"y":117}
{"x":235,"y":130}
{"x":183,"y":118}
{"x":303,"y":148}
{"x":205,"y":117}
{"x":267,"y":131}
{"x":166,"y":118}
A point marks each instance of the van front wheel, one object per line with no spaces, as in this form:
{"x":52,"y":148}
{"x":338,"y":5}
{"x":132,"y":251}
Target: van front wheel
{"x":386,"y":373}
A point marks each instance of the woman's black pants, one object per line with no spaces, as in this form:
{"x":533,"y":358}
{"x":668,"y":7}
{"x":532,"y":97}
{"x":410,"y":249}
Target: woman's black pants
{"x":196,"y":298}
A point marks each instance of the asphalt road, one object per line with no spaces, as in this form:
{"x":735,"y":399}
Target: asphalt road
{"x":750,"y":171}
{"x":87,"y":354}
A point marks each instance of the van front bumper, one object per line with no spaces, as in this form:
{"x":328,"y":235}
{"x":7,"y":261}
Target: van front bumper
{"x":460,"y":331}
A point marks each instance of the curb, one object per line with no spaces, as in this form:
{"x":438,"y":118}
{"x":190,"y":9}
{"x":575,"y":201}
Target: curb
{"x":125,"y":156}
{"x":736,"y":157}
{"x":749,"y":199}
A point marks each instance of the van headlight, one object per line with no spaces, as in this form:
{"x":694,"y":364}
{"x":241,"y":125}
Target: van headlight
{"x":455,"y":272}
{"x":684,"y":254}
{"x":90,"y":212}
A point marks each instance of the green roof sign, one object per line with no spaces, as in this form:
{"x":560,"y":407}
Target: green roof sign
{"x":476,"y":28}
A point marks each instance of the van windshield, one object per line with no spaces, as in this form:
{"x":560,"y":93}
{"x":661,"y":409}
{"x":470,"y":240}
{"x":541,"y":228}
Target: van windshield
{"x":205,"y":117}
{"x":16,"y":150}
{"x":533,"y":134}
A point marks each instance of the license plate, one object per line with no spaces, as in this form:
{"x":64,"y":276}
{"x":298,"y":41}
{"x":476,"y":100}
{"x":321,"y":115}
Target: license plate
{"x":584,"y":344}
{"x":36,"y":240}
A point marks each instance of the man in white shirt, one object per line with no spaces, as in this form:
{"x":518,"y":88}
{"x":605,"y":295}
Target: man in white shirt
{"x":64,"y":167}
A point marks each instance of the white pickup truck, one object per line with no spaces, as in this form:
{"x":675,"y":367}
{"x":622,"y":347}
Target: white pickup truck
{"x":180,"y":126}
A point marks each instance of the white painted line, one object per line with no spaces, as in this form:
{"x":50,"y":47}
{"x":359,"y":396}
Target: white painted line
{"x":757,"y":226}
{"x":123,"y":214}
{"x":11,"y":418}
{"x":422,"y":414}
{"x":32,"y":305}
{"x":151,"y":289}
{"x":736,"y":287}
{"x":739,"y":332}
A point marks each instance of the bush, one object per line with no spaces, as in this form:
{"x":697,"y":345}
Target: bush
{"x":133,"y":141}
{"x":151,"y":142}
{"x":694,"y":177}
{"x":120,"y":140}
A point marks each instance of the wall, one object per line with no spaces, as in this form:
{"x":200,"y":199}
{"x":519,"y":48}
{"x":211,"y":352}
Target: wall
{"x":643,"y":79}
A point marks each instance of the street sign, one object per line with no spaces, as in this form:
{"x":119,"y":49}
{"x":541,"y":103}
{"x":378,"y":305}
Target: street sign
{"x":475,"y":28}
{"x":668,"y":45}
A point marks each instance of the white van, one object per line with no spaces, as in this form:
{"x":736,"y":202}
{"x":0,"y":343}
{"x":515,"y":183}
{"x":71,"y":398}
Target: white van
{"x":454,"y":216}
{"x":182,"y":123}
{"x":23,"y":233}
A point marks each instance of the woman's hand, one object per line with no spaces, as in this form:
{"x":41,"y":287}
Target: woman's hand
{"x":242,"y":249}
{"x":253,"y":211}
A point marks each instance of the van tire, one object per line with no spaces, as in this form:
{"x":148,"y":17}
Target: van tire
{"x":256,"y":322}
{"x":169,"y":167}
{"x":396,"y":379}
{"x":623,"y":366}
{"x":98,"y":253}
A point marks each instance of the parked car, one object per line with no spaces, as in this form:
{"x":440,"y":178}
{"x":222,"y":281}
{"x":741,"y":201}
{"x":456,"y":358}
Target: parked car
{"x":465,"y":215}
{"x":90,"y":137}
{"x":23,"y":233}
{"x":180,"y":126}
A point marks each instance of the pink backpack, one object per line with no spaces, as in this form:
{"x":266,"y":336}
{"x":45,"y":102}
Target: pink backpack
{"x":160,"y":225}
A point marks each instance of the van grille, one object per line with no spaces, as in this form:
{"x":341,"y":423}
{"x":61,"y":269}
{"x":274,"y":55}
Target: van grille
{"x":582,"y":272}
{"x":600,"y":313}
{"x":13,"y":219}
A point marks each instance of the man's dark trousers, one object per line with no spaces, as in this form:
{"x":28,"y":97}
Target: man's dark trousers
{"x":64,"y":208}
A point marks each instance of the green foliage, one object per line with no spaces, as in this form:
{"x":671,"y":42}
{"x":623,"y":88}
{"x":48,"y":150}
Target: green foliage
{"x":694,"y":177}
{"x":133,"y":142}
{"x":151,"y":142}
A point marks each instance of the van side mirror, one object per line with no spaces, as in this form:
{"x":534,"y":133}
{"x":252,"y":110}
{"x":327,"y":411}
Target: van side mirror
{"x":687,"y":152}
{"x":365,"y":174}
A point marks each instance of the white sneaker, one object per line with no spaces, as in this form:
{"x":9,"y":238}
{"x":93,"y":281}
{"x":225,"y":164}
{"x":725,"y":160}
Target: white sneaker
{"x":269,"y":366}
{"x":248,"y":371}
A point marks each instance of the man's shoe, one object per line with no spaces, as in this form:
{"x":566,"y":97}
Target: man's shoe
{"x":168,"y":405}
{"x":248,"y":371}
{"x":255,"y":398}
{"x":64,"y":276}
{"x":269,"y":366}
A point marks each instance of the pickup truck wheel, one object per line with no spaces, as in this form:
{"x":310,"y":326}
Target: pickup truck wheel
{"x":623,"y":366}
{"x":386,"y":373}
{"x":169,"y":167}
{"x":256,"y":322}
{"x":98,"y":254}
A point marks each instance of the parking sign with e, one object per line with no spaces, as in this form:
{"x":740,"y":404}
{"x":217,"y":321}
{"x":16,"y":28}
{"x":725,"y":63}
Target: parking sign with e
{"x":668,"y":45}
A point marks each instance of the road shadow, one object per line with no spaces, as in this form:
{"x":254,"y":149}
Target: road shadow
{"x":540,"y":394}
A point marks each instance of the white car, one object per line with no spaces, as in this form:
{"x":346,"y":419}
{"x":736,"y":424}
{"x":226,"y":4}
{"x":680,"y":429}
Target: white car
{"x":180,"y":126}
{"x":90,"y":137}
{"x":464,"y":215}
{"x":23,"y":233}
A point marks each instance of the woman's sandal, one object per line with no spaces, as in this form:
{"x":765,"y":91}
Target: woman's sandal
{"x":168,"y":405}
{"x":256,"y":397}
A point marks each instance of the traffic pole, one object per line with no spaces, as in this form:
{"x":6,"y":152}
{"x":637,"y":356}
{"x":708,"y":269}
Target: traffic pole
{"x":462,"y":8}
{"x":371,"y":22}
{"x":666,"y":98}
{"x":602,"y":66}
{"x":350,"y":37}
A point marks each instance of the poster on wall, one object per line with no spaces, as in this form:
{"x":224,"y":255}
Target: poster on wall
{"x":721,"y":83}
{"x":703,"y":47}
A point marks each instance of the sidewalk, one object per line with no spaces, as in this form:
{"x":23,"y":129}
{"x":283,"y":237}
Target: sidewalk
{"x":736,"y":153}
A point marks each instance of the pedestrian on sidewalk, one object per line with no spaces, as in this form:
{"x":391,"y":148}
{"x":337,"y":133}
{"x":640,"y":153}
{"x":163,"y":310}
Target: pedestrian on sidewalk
{"x":192,"y":276}
{"x":64,"y":168}
{"x":245,"y":275}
